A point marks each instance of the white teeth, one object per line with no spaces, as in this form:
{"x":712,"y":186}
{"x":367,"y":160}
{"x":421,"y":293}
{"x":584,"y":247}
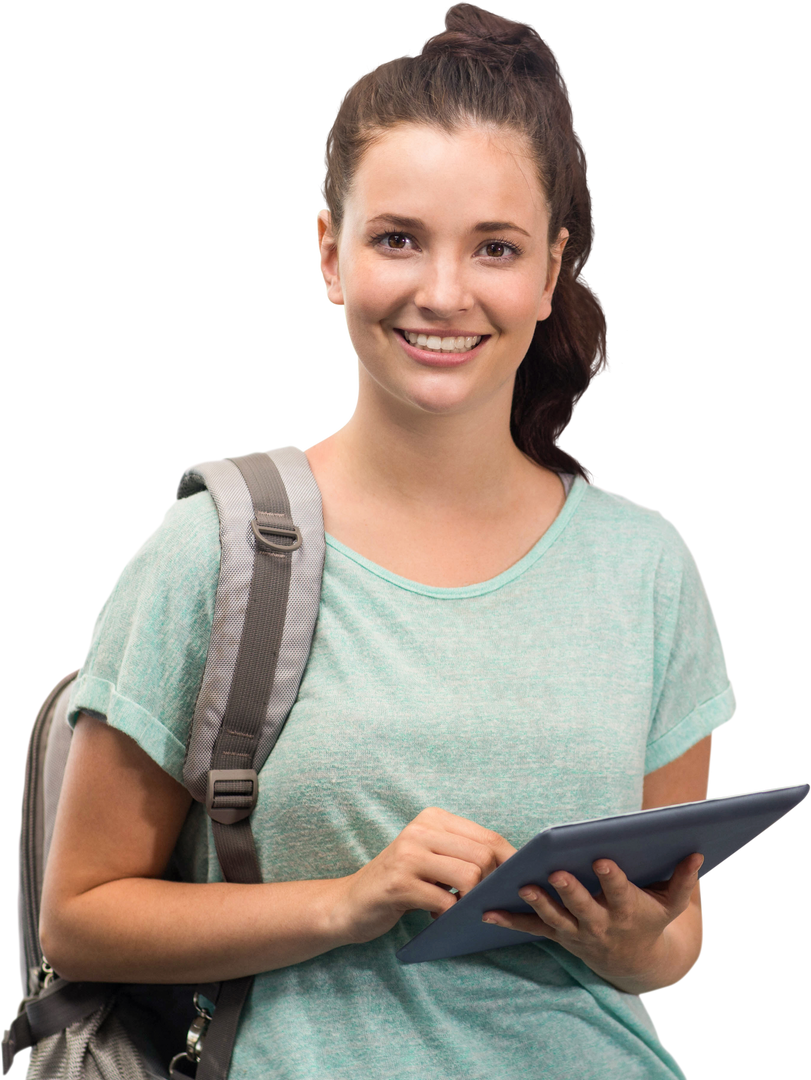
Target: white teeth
{"x":438,"y":344}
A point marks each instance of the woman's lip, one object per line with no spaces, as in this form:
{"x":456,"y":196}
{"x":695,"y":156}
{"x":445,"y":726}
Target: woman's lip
{"x":439,"y":333}
{"x":433,"y":358}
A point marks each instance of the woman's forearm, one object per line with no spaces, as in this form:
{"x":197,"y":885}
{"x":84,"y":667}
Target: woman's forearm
{"x":150,"y":930}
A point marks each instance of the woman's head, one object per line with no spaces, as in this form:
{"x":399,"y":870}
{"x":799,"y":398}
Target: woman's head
{"x":476,"y":125}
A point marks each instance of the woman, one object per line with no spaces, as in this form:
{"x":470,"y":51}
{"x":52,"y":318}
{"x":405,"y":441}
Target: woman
{"x":508,"y":646}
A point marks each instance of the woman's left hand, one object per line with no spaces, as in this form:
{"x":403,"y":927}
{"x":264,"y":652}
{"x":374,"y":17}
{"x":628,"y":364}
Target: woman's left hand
{"x":624,"y":934}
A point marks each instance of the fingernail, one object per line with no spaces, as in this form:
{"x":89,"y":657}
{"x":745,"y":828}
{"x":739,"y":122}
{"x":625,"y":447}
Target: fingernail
{"x":559,"y":882}
{"x":528,"y":894}
{"x":490,"y":919}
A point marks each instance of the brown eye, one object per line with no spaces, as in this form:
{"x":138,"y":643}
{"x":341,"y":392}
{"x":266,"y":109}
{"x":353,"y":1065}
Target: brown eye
{"x":397,"y":240}
{"x":495,"y":250}
{"x":515,"y":250}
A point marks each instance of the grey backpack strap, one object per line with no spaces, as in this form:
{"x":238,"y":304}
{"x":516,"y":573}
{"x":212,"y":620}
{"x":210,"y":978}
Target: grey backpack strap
{"x":272,"y":542}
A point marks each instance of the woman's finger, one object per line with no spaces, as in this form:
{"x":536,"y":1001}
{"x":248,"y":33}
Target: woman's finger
{"x":577,"y":900}
{"x":527,"y":924}
{"x":548,"y":910}
{"x":617,"y":889}
{"x":682,"y":883}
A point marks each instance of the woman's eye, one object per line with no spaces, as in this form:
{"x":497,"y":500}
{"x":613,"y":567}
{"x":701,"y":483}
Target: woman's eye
{"x":500,"y":249}
{"x":392,"y":241}
{"x":514,"y":248}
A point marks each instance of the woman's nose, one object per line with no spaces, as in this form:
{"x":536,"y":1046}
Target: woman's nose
{"x":443,"y":288}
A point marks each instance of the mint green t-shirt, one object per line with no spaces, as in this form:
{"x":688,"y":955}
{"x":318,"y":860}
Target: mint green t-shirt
{"x":541,"y":696}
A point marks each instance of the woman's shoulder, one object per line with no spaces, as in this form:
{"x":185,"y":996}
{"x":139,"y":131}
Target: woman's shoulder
{"x":628,"y":522}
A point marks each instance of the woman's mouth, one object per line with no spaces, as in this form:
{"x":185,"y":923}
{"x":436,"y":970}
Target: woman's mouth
{"x":439,"y":351}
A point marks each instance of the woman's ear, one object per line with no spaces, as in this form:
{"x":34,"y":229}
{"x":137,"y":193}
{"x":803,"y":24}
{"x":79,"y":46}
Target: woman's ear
{"x":329,"y":257}
{"x":552,"y":272}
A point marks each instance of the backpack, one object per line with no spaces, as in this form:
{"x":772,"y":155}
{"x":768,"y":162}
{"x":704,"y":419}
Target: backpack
{"x":268,"y":592}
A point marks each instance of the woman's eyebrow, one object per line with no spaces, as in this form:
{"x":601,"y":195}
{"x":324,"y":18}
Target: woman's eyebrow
{"x":399,"y":222}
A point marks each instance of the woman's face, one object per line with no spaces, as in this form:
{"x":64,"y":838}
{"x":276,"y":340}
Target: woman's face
{"x":443,"y":263}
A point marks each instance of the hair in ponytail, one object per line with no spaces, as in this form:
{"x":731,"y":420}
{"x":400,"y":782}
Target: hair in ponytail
{"x":488,"y":70}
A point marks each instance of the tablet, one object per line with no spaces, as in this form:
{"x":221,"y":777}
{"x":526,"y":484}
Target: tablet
{"x":646,"y":844}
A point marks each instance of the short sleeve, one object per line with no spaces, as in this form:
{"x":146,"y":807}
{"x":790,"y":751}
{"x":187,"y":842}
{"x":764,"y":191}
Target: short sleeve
{"x":691,"y":690}
{"x":149,"y":646}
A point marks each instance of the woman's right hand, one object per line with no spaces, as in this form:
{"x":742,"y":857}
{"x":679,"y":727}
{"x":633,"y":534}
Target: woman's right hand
{"x":435,"y":852}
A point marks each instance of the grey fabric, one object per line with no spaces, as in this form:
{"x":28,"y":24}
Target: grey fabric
{"x":567,"y":479}
{"x":96,"y":1048}
{"x":56,"y":758}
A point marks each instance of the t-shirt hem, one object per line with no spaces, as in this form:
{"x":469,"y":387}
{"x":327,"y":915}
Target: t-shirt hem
{"x":95,"y":695}
{"x":712,"y":716}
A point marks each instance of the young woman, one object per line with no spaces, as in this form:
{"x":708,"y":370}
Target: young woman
{"x":500,"y":645}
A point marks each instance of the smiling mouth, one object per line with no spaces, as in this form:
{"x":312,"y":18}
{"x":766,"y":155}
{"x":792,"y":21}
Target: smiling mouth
{"x":413,"y":339}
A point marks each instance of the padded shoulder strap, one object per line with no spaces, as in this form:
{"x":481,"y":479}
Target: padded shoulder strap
{"x":269,"y":589}
{"x":264,"y":502}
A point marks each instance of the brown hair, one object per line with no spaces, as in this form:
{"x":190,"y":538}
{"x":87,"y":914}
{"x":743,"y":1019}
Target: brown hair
{"x":489,"y":70}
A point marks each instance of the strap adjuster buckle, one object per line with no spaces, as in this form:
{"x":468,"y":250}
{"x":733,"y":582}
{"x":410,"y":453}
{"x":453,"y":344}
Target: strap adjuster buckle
{"x":231,"y":794}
